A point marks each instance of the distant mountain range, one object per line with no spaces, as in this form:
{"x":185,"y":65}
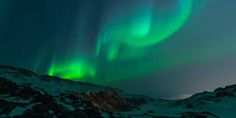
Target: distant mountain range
{"x":28,"y":95}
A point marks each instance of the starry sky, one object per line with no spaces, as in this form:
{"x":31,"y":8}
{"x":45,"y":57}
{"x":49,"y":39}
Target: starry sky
{"x":161,"y":48}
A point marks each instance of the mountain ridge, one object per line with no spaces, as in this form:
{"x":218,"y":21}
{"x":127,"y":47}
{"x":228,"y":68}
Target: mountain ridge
{"x":26,"y":94}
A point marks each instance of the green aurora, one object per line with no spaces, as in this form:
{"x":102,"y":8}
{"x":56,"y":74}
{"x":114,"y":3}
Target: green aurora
{"x":123,"y":40}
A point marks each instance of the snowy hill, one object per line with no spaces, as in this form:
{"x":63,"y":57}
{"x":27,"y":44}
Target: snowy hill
{"x":26,"y":94}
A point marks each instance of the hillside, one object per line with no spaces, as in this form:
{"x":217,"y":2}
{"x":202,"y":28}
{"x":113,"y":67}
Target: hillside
{"x":26,"y":94}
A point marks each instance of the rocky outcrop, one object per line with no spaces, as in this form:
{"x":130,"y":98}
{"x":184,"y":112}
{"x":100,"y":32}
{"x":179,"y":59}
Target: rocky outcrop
{"x":109,"y":101}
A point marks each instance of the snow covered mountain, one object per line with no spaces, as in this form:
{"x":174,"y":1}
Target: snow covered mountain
{"x":26,"y":94}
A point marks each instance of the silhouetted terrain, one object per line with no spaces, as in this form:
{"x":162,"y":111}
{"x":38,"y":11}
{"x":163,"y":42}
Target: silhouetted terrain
{"x":26,"y":94}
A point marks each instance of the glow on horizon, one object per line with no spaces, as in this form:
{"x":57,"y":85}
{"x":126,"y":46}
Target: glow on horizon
{"x":75,"y":70}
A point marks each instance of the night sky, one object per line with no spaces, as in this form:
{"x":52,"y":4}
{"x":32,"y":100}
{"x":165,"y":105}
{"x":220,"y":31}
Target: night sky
{"x":161,"y":48}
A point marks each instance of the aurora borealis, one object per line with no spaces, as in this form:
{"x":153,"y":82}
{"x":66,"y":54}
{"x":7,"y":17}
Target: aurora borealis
{"x":120,"y":42}
{"x":125,"y":31}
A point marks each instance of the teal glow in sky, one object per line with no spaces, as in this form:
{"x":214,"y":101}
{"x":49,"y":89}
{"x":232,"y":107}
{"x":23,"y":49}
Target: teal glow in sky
{"x":124,"y":28}
{"x":134,"y":42}
{"x":98,"y":41}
